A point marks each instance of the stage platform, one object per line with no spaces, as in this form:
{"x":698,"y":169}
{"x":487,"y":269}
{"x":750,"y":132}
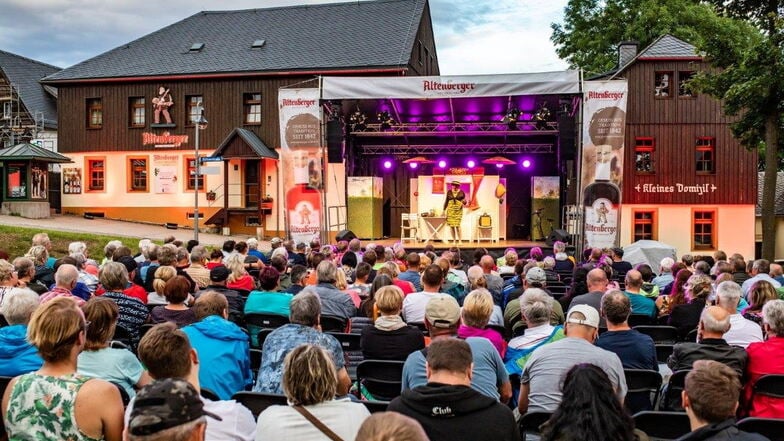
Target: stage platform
{"x":496,"y":249}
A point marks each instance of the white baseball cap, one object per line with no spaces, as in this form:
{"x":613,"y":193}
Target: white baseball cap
{"x":590,"y":313}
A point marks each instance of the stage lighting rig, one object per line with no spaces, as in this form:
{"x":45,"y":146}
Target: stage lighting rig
{"x":511,"y":117}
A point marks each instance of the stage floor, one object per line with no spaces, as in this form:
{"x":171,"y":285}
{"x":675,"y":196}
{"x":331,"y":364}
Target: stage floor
{"x":501,"y":244}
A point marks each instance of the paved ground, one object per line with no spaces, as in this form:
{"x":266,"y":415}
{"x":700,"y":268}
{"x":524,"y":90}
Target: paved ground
{"x":77,"y":224}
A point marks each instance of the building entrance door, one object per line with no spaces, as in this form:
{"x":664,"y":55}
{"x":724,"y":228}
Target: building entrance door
{"x":252,"y":184}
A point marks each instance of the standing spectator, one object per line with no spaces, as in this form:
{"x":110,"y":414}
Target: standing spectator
{"x":414,"y":304}
{"x":17,"y":355}
{"x":447,"y":407}
{"x":476,"y":312}
{"x":411,"y":274}
{"x":641,"y":305}
{"x":759,"y":294}
{"x":99,"y":359}
{"x":710,"y":345}
{"x":198,"y":272}
{"x":57,"y":329}
{"x":636,"y":350}
{"x":686,"y":317}
{"x":742,"y":331}
{"x":767,"y":358}
{"x":759,"y":271}
{"x":65,"y":278}
{"x":133,"y":313}
{"x":334,"y":303}
{"x":239,"y":277}
{"x":175,"y":310}
{"x":268,"y":300}
{"x":310,"y":383}
{"x":710,"y":397}
{"x":222,"y":346}
{"x":390,"y":338}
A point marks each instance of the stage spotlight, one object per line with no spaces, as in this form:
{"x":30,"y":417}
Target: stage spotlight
{"x":386,"y":120}
{"x":358,"y":121}
{"x":387,"y":164}
{"x":511,"y":117}
{"x":471,"y":163}
{"x":542,"y":116}
{"x":526,"y":163}
{"x":413,"y":165}
{"x":441,"y":163}
{"x":499,"y":166}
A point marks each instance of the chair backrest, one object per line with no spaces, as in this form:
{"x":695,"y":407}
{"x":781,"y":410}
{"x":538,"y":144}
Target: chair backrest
{"x":771,"y":385}
{"x":352,"y":351}
{"x":257,"y":339}
{"x":662,"y":425}
{"x":640,"y":319}
{"x":382,"y":378}
{"x":671,"y":400}
{"x":256,"y":402}
{"x":360,"y":323}
{"x":643,"y":389}
{"x":660,"y":334}
{"x":771,"y":428}
{"x":145,"y":327}
{"x":530,"y":422}
{"x":123,"y":336}
{"x":333,"y":324}
{"x":376,"y":406}
{"x":663,"y":352}
{"x":266,"y":320}
{"x":255,"y":361}
{"x":421,"y":327}
{"x":691,"y":336}
{"x":209,"y":394}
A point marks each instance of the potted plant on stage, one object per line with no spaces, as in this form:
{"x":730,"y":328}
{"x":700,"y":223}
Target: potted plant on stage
{"x":266,"y":204}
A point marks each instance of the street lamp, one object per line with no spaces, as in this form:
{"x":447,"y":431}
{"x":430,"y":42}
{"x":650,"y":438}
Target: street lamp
{"x":200,"y":123}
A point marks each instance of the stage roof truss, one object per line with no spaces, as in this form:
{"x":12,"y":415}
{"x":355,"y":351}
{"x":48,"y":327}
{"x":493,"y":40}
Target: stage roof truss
{"x":455,"y":129}
{"x":465,"y":149}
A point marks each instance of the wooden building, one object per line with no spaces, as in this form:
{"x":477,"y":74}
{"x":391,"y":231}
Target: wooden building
{"x":687,"y":181}
{"x":126,"y":116}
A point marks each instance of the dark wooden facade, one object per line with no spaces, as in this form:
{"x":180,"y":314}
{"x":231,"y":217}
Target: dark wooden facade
{"x":675,"y":123}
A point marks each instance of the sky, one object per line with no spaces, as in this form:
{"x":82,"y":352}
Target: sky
{"x":472,"y":36}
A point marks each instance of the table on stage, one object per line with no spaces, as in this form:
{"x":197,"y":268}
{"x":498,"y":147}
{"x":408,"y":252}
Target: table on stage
{"x":433,"y":225}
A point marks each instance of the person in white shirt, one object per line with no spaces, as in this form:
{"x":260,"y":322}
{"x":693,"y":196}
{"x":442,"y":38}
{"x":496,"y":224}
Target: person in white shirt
{"x":742,"y":331}
{"x":759,"y":271}
{"x":536,"y":307}
{"x":414,"y":304}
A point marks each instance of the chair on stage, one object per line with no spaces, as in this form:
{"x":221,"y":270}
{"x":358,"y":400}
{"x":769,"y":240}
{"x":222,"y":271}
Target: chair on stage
{"x":483,"y":228}
{"x":409,"y":226}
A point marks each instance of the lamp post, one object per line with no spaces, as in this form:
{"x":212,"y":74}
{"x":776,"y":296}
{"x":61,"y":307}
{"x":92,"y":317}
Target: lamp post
{"x":200,"y":123}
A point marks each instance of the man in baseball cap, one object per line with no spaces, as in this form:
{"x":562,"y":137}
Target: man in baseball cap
{"x":442,"y":318}
{"x":540,"y":389}
{"x":167,"y":408}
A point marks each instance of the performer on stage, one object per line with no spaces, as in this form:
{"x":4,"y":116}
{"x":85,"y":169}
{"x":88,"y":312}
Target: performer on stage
{"x":453,"y":209}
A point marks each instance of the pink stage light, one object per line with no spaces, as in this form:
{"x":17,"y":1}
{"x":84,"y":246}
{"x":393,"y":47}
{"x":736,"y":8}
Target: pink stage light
{"x":499,"y":166}
{"x":442,"y":164}
{"x":387,"y":164}
{"x":471,"y":163}
{"x":526,"y":163}
{"x":413,"y":165}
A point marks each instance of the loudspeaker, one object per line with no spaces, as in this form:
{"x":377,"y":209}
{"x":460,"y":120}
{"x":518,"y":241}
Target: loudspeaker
{"x":346,"y":235}
{"x":557,"y":236}
{"x":567,"y":136}
{"x":334,"y":142}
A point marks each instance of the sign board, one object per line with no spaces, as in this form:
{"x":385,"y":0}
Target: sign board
{"x":210,"y":170}
{"x":211,"y":159}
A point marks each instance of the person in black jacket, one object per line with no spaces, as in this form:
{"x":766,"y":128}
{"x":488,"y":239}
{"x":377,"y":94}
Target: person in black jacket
{"x":447,"y":407}
{"x":390,"y":338}
{"x":710,"y":397}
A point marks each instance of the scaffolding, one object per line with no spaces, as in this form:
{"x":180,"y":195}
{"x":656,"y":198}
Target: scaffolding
{"x":16,"y":124}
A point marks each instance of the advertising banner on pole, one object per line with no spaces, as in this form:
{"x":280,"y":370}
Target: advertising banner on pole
{"x":302,"y":161}
{"x":604,"y":128}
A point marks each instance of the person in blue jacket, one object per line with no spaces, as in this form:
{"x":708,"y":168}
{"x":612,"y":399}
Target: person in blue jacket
{"x":17,"y":355}
{"x":222,"y":346}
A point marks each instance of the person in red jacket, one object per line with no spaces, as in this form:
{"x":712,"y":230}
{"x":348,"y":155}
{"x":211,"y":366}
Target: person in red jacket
{"x":767,"y":358}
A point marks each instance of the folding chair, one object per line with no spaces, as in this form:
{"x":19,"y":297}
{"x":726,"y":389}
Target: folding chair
{"x":256,"y":402}
{"x":360,"y":323}
{"x":376,"y":406}
{"x":771,"y":428}
{"x":771,"y":385}
{"x":382,"y":378}
{"x":663,"y":353}
{"x":255,"y":362}
{"x":333,"y":324}
{"x":659,"y":334}
{"x":671,"y":398}
{"x":643,"y":389}
{"x":640,"y":320}
{"x":530,"y":422}
{"x":257,"y":322}
{"x":352,"y":352}
{"x":662,"y":426}
{"x":209,"y":394}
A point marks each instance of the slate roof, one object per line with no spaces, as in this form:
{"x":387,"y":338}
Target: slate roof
{"x":779,"y":210}
{"x":25,"y":74}
{"x":377,"y":33}
{"x":668,"y":46}
{"x":251,"y":139}
{"x":27,"y":151}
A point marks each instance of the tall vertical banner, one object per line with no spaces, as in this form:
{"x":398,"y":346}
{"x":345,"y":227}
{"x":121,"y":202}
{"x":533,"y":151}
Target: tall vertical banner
{"x":604,"y":127}
{"x":302,"y":161}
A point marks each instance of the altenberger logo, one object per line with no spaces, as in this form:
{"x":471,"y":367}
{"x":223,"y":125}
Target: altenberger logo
{"x":165,"y":139}
{"x":429,"y":85}
{"x":299,"y":102}
{"x":606,"y":95}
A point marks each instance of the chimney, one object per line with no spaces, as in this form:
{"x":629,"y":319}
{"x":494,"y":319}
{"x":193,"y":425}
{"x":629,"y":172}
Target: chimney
{"x":627,"y":50}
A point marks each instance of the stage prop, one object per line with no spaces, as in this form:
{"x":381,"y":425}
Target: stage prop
{"x":545,"y":206}
{"x":365,"y":206}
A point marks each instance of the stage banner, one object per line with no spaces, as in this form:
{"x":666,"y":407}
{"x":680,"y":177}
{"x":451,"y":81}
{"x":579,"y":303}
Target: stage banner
{"x":604,"y":127}
{"x":302,"y":161}
{"x":457,"y":86}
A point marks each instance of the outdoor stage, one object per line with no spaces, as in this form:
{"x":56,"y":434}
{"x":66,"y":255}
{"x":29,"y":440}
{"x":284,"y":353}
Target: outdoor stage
{"x":496,"y":249}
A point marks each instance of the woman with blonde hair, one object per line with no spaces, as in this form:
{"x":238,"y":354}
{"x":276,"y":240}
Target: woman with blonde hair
{"x":341,"y":283}
{"x":310,"y":383}
{"x":9,"y":280}
{"x":162,"y":275}
{"x":391,"y":426}
{"x":239,"y":277}
{"x":760,"y":293}
{"x":390,"y":338}
{"x":39,"y":255}
{"x":476,"y":313}
{"x":84,"y":408}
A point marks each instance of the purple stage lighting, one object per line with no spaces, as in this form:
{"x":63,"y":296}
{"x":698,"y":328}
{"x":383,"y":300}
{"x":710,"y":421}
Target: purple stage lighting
{"x":387,"y":164}
{"x":499,"y":166}
{"x":471,"y":163}
{"x":526,"y":163}
{"x":441,"y":163}
{"x":413,"y":165}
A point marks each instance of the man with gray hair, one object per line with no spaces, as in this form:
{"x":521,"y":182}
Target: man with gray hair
{"x":536,"y":306}
{"x":666,"y":277}
{"x":760,"y":270}
{"x":305,"y":327}
{"x":767,"y":358}
{"x":17,"y":355}
{"x":742,"y":331}
{"x":196,"y":270}
{"x":334,"y":302}
{"x":65,"y":281}
{"x":710,"y":345}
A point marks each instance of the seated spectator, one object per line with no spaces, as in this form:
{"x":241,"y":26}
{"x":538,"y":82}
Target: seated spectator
{"x":390,"y":338}
{"x":216,"y":259}
{"x":685,"y":317}
{"x":760,"y":270}
{"x":304,"y":327}
{"x":390,"y":269}
{"x":361,"y":275}
{"x":456,"y":273}
{"x":57,"y":329}
{"x":442,"y":319}
{"x":161,"y":275}
{"x":494,"y":282}
{"x":590,"y":409}
{"x":268,"y":300}
{"x":636,"y":350}
{"x":297,"y":276}
{"x":536,"y":309}
{"x":198,"y":272}
{"x":17,"y":355}
{"x":509,"y":261}
{"x":620,"y":267}
{"x":534,"y":278}
{"x":310,"y":383}
{"x":25,"y":272}
{"x":563,"y":262}
{"x":239,"y":277}
{"x":414,"y":304}
{"x":739,"y":273}
{"x":133,"y":289}
{"x":348,"y":263}
{"x":342,"y":285}
{"x":675,"y":293}
{"x":99,"y":359}
{"x":447,"y":407}
{"x":710,"y":345}
{"x":513,"y":287}
{"x":334,"y":303}
{"x":710,"y":397}
{"x":411,"y":274}
{"x":742,"y":331}
{"x":40,"y":256}
{"x":218,"y":277}
{"x":759,"y":294}
{"x":539,"y":383}
{"x":221,"y":345}
{"x":665,"y":277}
{"x":648,"y":288}
{"x":43,"y":239}
{"x":477,"y":309}
{"x":641,"y":304}
{"x":176,"y":293}
{"x":133,"y":313}
{"x":65,"y":280}
{"x":390,"y":426}
{"x":169,"y":409}
{"x":167,"y":353}
{"x":597,"y":282}
{"x":767,"y":358}
{"x":368,"y":306}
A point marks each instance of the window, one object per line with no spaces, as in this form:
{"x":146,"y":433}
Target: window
{"x":684,"y":90}
{"x":94,"y":113}
{"x":190,"y":172}
{"x":16,"y":180}
{"x":137,"y":174}
{"x":704,"y":229}
{"x":662,"y":87}
{"x":96,"y":174}
{"x":252,"y":108}
{"x":191,"y":103}
{"x":644,"y":227}
{"x":136,"y":108}
{"x":643,"y":155}
{"x":706,"y":155}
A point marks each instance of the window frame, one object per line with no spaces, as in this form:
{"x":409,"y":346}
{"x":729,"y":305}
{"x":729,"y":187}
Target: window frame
{"x":654,"y":223}
{"x":187,"y":159}
{"x":651,"y":148}
{"x":248,"y":103}
{"x":714,"y":228}
{"x":692,"y":94}
{"x":190,"y":105}
{"x":130,"y":167}
{"x":137,"y":103}
{"x":710,"y":147}
{"x":89,"y":168}
{"x":670,"y":84}
{"x":94,"y":105}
